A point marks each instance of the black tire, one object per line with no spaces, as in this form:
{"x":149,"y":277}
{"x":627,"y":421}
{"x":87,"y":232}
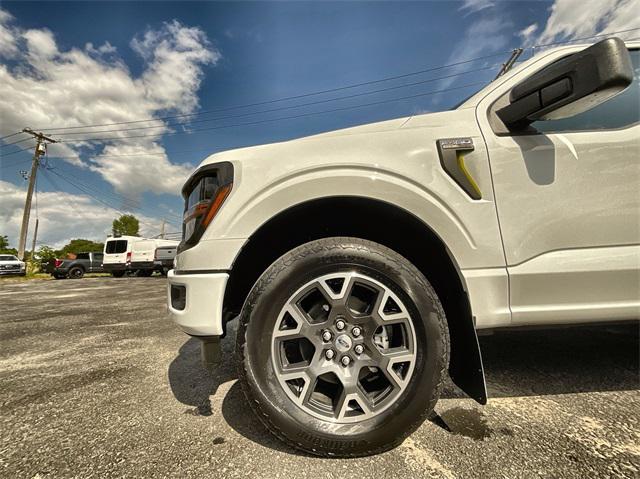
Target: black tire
{"x":292,"y":424}
{"x":117,"y":274}
{"x":76,"y":272}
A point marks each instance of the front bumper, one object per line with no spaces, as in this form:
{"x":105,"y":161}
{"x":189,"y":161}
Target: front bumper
{"x":195,"y":301}
{"x":7,"y":272}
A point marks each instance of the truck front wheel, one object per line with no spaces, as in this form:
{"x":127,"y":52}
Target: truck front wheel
{"x":76,"y":272}
{"x":342,"y":348}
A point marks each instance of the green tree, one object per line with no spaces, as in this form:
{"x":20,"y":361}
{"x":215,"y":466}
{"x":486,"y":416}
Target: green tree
{"x":46,"y":253}
{"x":4,"y":246}
{"x":80,"y":246}
{"x":126,"y":225}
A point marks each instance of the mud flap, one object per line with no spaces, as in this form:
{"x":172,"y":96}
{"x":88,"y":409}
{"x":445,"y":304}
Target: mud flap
{"x":465,"y":366}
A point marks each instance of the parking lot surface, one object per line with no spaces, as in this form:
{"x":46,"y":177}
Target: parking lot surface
{"x":96,"y":382}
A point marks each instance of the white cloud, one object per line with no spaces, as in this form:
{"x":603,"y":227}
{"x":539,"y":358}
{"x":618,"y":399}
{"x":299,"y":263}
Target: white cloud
{"x":570,"y":19}
{"x":487,"y":35}
{"x":473,"y":6}
{"x":527,"y":33}
{"x":62,"y":216}
{"x":8,"y":47}
{"x":46,"y":87}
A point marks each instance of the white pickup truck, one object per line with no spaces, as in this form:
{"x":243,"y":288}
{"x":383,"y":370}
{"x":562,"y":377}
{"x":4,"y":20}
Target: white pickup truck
{"x":361,"y":262}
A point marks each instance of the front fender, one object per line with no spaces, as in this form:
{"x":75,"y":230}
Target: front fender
{"x":247,"y":209}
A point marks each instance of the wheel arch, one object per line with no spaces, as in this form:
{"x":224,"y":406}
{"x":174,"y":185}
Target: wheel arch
{"x":383,"y":223}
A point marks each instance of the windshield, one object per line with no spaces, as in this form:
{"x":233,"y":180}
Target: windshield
{"x":7,"y":257}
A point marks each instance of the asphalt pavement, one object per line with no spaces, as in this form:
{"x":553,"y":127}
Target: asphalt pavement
{"x":97,"y":382}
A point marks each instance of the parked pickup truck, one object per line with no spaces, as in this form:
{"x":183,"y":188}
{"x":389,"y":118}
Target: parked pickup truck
{"x":10,"y":264}
{"x":76,"y":268}
{"x":143,"y":258}
{"x":362,"y":262}
{"x":164,"y":258}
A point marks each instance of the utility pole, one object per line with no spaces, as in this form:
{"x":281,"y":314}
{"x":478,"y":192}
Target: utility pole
{"x":35,"y":236}
{"x":39,"y":151}
{"x":162,"y":229}
{"x":506,"y":66}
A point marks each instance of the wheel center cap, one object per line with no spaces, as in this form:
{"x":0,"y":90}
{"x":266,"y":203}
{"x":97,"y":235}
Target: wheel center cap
{"x":343,"y":343}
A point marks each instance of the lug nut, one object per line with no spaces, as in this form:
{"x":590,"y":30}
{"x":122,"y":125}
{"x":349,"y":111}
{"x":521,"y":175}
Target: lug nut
{"x":356,"y":331}
{"x":326,"y":335}
{"x":346,"y":360}
{"x":340,"y":325}
{"x":359,"y":348}
{"x":329,"y":354}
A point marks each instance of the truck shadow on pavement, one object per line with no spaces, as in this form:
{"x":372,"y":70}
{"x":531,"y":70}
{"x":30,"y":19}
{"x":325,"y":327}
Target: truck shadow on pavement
{"x":192,"y":384}
{"x":517,"y":364}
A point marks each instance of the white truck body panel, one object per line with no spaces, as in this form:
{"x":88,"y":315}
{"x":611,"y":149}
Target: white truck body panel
{"x":143,"y":251}
{"x":568,"y":205}
{"x":554,"y":239}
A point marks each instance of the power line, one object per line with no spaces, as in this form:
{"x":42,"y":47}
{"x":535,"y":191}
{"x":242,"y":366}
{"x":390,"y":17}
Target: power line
{"x":287,"y":98}
{"x":4,"y":155}
{"x":125,"y":201}
{"x":16,"y":142}
{"x":317,"y":102}
{"x":330,"y":90}
{"x":97,"y":199}
{"x":72,"y":140}
{"x":146,"y":154}
{"x":9,"y":136}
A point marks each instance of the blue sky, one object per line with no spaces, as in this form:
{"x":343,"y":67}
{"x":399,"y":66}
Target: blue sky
{"x":234,"y":54}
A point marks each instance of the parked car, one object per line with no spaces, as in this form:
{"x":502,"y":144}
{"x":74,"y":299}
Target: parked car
{"x":75,"y":268}
{"x":10,"y":264}
{"x":362,"y":262}
{"x":143,"y":255}
{"x":164,"y":258}
{"x":117,"y":254}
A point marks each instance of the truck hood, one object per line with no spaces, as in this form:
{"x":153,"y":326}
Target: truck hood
{"x":245,"y":154}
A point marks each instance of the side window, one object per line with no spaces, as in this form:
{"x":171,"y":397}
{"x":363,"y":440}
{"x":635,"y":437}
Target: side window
{"x":621,"y":111}
{"x":82,"y":256}
{"x":97,"y":256}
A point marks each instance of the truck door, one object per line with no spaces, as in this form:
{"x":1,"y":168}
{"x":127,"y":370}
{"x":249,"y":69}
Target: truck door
{"x":568,"y":202}
{"x":96,"y":262}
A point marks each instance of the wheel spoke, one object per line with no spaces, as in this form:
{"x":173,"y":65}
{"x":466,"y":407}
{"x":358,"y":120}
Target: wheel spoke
{"x":303,"y":327}
{"x":349,"y":401}
{"x":303,"y":388}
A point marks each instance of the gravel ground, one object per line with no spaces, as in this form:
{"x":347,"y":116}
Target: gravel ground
{"x":96,"y":382}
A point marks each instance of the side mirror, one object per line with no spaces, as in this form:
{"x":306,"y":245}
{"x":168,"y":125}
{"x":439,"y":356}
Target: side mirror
{"x":570,"y":85}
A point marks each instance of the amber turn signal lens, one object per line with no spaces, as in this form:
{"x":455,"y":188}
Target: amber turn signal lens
{"x":221,"y":195}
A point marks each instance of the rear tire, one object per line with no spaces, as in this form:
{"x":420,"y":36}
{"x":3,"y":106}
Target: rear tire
{"x":117,"y":274}
{"x":331,"y":409}
{"x":76,"y":272}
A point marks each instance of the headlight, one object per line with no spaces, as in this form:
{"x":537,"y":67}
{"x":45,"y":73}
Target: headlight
{"x":204,"y":193}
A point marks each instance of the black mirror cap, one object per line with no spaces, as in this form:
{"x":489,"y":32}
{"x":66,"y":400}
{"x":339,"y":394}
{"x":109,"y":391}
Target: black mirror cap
{"x":570,"y":85}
